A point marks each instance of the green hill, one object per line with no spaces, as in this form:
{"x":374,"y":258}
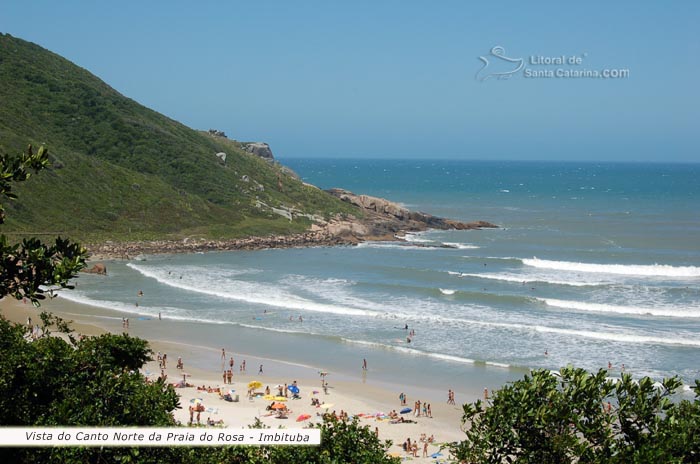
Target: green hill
{"x":122,"y":171}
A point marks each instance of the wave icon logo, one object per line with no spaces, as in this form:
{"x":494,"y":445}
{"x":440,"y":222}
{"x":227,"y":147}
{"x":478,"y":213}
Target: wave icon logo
{"x":496,"y":64}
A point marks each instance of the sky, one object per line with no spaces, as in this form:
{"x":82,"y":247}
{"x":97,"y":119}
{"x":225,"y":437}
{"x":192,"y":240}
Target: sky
{"x":399,"y":79}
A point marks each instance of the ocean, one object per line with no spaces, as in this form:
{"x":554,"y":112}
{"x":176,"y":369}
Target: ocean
{"x":593,"y":263}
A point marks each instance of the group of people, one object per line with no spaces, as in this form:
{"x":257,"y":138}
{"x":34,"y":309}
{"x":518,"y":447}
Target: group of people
{"x":163,"y":360}
{"x":450,"y":397}
{"x":425,"y":412}
{"x":231,"y":365}
{"x":198,"y":409}
{"x":412,"y":448}
{"x":35,"y":331}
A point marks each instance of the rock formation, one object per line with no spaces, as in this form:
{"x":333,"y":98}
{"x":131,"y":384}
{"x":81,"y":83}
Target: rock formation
{"x":384,"y":219}
{"x":260,"y":149}
{"x":98,"y":268}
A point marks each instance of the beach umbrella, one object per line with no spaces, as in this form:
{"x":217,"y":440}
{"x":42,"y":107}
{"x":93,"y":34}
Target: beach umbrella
{"x":405,"y":410}
{"x":196,"y":401}
{"x":303,"y":417}
{"x":279,"y":406}
{"x":255,"y":384}
{"x":293,"y":388}
{"x":327,"y":405}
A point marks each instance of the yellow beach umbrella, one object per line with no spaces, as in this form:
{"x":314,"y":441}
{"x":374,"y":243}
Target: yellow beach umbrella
{"x":254,"y":385}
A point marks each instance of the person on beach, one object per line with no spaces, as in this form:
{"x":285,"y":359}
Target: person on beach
{"x":430,"y":411}
{"x":180,"y":364}
{"x":127,"y":322}
{"x":165,"y":355}
{"x":425,"y":409}
{"x":243,"y":366}
{"x":609,"y":365}
{"x":267,"y":390}
{"x":224,"y":376}
{"x":191,"y":415}
{"x":159,"y":318}
{"x":486,"y":393}
{"x":402,"y":399}
{"x":260,"y":371}
{"x":425,"y":449}
{"x":229,"y":376}
{"x":364,"y":364}
{"x":223,"y":354}
{"x":230,"y":362}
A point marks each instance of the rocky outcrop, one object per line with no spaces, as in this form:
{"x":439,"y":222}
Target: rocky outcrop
{"x":217,"y":133}
{"x":130,"y":250}
{"x":98,"y":268}
{"x":260,"y":149}
{"x":384,"y":218}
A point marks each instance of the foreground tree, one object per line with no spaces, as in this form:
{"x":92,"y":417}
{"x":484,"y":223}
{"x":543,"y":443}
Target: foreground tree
{"x":27,"y":266}
{"x":577,"y":416}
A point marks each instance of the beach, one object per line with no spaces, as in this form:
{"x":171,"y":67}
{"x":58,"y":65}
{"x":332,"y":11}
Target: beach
{"x":370,"y":401}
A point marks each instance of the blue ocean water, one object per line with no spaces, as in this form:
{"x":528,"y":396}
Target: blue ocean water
{"x":593,"y":263}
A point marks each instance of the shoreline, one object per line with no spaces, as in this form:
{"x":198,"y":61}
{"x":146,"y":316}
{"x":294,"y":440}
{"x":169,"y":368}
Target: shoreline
{"x":354,"y":395}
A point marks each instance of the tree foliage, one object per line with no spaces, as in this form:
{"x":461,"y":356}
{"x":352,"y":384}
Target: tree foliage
{"x":27,"y":266}
{"x":578,"y":416}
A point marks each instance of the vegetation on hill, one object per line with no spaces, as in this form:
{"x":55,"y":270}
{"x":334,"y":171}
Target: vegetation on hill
{"x":122,"y":171}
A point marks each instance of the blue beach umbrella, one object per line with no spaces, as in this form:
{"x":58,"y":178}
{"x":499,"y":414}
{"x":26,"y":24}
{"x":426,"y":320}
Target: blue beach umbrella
{"x":294,"y":389}
{"x":405,"y":410}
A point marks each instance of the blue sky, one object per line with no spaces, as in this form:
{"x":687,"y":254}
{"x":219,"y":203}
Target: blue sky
{"x":396,"y":78}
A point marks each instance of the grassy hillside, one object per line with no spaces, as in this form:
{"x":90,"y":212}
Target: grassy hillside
{"x":123,"y":171}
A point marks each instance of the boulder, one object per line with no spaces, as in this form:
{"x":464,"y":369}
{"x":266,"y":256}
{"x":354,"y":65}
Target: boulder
{"x":260,"y":149}
{"x":98,"y":268}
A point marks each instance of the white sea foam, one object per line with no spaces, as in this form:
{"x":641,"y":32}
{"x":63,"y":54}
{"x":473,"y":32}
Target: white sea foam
{"x":416,"y":237}
{"x":446,"y":291}
{"x":391,"y":245}
{"x":257,"y":293}
{"x":658,"y":270}
{"x":415,"y":352}
{"x":169,"y":312}
{"x":461,"y":246}
{"x":530,"y":279}
{"x":634,"y":310}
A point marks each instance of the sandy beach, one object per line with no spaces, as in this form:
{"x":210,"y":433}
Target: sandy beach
{"x":203,"y":367}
